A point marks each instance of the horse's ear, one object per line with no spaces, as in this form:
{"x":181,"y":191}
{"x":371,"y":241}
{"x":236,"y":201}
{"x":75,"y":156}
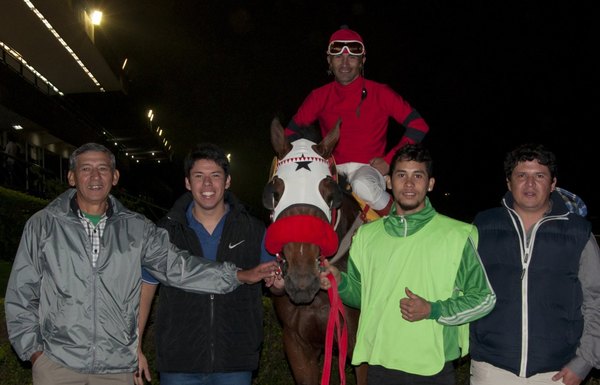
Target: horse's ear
{"x":280,"y":142}
{"x":325,"y":147}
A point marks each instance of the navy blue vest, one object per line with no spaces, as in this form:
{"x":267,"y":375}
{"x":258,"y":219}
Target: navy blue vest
{"x":550,"y":290}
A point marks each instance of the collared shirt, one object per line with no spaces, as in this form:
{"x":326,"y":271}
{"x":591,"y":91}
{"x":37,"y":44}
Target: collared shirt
{"x":94,"y":232}
{"x":208,"y":242}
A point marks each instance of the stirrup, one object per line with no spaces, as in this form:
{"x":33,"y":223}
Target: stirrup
{"x":367,"y":212}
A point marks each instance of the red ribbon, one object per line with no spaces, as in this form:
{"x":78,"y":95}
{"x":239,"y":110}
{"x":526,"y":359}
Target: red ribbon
{"x":337,"y":323}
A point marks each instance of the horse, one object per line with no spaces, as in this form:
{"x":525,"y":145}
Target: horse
{"x":307,"y":195}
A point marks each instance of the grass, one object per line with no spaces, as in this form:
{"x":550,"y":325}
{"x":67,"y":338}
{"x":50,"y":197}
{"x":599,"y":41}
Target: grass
{"x":4,"y":274}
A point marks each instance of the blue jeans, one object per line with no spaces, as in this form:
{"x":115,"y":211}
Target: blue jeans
{"x":230,"y":378}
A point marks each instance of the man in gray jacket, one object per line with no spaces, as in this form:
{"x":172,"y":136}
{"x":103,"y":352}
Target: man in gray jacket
{"x":73,"y":295}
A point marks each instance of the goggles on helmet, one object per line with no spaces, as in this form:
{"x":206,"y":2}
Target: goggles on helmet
{"x":352,"y":47}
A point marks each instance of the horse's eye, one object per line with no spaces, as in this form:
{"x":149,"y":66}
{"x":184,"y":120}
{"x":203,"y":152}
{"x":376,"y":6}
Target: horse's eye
{"x":331,"y":192}
{"x":273,"y":193}
{"x":278,"y":189}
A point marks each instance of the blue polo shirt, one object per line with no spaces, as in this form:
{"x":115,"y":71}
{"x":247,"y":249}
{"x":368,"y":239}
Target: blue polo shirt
{"x":208,"y":242}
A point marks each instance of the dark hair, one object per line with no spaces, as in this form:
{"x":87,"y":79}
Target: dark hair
{"x":91,"y":147}
{"x":415,"y":152}
{"x":528,"y":152}
{"x":206,"y":151}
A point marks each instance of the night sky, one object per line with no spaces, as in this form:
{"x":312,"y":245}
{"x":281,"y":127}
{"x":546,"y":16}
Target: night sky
{"x":486,"y":76}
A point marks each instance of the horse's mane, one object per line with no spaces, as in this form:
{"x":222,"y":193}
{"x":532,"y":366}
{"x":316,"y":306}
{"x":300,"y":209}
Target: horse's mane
{"x":344,"y":184}
{"x":311,"y":132}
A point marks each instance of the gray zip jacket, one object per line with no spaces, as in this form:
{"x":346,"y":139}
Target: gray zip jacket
{"x":85,"y":317}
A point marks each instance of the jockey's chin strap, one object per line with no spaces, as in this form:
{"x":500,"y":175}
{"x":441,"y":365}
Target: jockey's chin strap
{"x":336,"y":323}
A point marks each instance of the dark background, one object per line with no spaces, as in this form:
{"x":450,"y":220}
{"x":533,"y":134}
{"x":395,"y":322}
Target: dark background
{"x":486,"y":76}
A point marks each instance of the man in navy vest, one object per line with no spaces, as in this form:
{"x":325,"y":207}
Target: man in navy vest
{"x":543,"y":263}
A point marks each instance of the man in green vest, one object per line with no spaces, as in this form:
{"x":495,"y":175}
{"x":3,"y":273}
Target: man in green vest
{"x":417,"y":279}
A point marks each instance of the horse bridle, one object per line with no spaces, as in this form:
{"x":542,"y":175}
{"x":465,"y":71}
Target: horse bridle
{"x":302,"y":155}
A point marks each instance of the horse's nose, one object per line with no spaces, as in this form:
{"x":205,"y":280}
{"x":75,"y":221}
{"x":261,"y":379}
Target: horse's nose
{"x":302,"y":290}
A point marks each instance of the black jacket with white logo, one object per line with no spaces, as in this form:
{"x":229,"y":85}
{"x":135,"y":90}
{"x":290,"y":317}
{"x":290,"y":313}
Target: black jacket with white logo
{"x":204,"y":333}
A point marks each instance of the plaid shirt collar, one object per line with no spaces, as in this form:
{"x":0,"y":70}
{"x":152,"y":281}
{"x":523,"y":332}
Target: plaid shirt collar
{"x":94,"y":232}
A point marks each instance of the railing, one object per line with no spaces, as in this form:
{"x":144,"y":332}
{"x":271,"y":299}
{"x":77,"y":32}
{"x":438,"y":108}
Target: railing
{"x":33,"y":179}
{"x":14,"y":61}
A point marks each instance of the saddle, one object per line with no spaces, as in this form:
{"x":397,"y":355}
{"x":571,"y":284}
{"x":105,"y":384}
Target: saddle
{"x":367,"y":213}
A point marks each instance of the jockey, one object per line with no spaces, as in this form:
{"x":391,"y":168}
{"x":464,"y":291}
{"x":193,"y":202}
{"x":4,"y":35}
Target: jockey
{"x":364,"y":107}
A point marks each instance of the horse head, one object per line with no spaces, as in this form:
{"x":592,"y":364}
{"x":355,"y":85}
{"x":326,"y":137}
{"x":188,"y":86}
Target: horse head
{"x":309,"y":210}
{"x":302,"y":195}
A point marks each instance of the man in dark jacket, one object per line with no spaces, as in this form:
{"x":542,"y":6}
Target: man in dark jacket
{"x":211,"y":339}
{"x":543,"y":263}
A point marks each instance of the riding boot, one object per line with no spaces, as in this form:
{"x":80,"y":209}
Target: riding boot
{"x":386,"y":210}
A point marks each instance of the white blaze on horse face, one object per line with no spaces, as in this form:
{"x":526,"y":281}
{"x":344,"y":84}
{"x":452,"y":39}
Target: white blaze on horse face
{"x":302,"y":170}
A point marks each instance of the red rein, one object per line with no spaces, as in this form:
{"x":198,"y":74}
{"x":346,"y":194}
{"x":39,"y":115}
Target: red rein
{"x":336,"y":323}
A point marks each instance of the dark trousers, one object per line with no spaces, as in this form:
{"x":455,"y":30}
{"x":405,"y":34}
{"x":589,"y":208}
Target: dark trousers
{"x":378,"y":375}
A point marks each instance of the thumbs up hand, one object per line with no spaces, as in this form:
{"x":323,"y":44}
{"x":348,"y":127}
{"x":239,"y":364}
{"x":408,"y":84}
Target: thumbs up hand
{"x":413,"y":307}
